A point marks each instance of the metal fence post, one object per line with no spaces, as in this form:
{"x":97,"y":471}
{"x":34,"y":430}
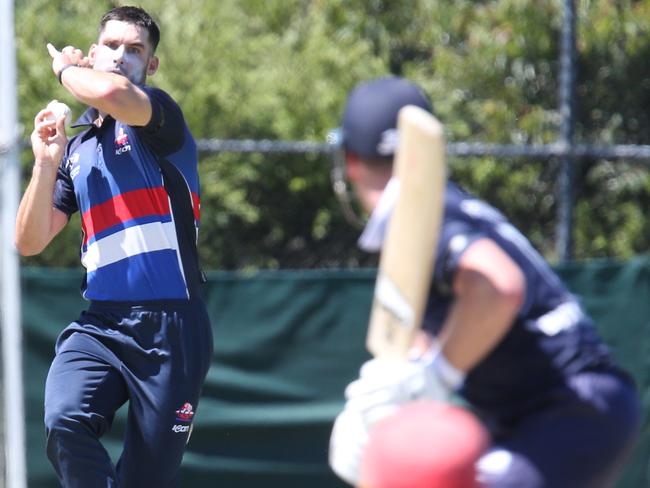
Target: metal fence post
{"x":565,"y":190}
{"x":13,"y":419}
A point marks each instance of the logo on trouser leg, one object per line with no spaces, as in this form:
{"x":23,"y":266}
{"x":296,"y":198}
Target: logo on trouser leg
{"x":184,"y":415}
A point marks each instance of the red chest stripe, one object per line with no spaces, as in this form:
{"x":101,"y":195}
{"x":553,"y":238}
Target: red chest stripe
{"x":196,"y":205}
{"x":123,"y":208}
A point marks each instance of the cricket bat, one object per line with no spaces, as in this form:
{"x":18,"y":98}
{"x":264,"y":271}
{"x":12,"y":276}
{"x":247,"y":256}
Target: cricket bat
{"x":409,"y":248}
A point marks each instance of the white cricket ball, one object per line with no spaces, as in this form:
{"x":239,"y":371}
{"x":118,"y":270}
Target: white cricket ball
{"x":58,"y":109}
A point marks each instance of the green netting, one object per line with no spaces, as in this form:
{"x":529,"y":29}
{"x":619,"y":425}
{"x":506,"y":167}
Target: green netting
{"x":286,"y":344}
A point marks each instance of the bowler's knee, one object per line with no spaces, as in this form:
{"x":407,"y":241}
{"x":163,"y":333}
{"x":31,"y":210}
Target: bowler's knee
{"x":61,"y":419}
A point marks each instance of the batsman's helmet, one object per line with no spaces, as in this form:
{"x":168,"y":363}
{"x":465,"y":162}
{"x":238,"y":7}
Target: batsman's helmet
{"x":370,"y":115}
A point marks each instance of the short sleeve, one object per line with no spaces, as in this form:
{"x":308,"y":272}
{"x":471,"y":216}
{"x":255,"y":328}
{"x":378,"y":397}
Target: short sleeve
{"x":456,"y":238}
{"x":64,"y":196}
{"x":165,"y":132}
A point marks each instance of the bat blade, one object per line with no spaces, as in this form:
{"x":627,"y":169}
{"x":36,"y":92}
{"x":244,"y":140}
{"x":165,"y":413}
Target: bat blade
{"x":408,"y":252}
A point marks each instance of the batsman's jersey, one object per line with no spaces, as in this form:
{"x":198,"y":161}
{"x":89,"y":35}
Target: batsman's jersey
{"x":137,"y":190}
{"x":552,"y":337}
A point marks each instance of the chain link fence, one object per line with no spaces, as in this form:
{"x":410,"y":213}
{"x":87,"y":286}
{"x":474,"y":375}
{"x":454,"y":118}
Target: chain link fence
{"x":239,"y":240}
{"x":566,"y":153}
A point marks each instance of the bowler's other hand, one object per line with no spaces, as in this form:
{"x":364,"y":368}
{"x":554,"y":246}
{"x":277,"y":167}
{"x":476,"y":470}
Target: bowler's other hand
{"x":48,"y":138}
{"x":67,"y":55}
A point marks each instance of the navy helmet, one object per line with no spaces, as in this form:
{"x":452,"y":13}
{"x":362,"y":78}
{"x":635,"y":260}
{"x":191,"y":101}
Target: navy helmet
{"x":370,"y":115}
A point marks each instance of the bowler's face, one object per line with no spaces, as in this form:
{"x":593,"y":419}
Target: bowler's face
{"x":124,"y":49}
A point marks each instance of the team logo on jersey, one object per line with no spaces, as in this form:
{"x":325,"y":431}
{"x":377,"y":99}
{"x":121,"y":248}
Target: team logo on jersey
{"x":72,"y":166}
{"x":122,"y":142}
{"x":184,"y":415}
{"x":74,"y":158}
{"x":122,"y":137}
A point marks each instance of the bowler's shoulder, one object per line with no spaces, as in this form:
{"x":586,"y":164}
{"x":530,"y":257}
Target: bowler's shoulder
{"x":165,"y":110}
{"x":158,"y":94}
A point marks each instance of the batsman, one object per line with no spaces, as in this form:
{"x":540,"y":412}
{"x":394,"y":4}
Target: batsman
{"x":131,"y":172}
{"x":500,"y":333}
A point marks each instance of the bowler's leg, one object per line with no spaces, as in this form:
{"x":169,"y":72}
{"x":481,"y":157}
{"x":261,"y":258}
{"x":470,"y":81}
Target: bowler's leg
{"x":162,"y":406}
{"x":82,"y":394}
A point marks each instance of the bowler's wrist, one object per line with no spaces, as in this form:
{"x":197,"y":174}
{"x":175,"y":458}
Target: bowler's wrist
{"x":44,"y":164}
{"x":63,"y":68}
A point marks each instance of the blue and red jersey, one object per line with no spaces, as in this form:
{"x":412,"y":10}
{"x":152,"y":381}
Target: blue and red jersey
{"x":137,"y":189}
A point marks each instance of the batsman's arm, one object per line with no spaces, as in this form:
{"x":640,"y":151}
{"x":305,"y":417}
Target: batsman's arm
{"x":489,"y":289}
{"x":109,"y":93}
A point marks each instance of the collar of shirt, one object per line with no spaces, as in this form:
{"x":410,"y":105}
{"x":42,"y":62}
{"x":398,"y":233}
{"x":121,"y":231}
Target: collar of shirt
{"x":373,"y":234}
{"x":90,"y":117}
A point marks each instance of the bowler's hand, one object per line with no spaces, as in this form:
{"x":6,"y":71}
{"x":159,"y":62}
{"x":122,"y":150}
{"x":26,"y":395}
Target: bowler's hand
{"x":67,"y":55}
{"x":48,"y":138}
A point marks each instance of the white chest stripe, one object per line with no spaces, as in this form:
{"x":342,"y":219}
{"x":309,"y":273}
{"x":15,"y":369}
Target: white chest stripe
{"x":132,"y":241}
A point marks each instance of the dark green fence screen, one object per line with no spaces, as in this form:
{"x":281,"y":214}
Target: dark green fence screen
{"x":286,"y":344}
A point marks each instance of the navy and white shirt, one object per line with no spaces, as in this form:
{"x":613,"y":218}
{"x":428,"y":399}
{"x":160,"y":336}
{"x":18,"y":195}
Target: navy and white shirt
{"x":137,"y":189}
{"x":552,"y":337}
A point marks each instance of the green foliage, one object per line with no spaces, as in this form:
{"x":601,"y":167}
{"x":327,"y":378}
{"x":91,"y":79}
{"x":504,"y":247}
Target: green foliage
{"x":281,"y":69}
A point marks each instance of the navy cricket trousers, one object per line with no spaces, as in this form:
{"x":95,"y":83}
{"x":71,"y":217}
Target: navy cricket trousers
{"x":581,"y":438}
{"x":155,"y":356}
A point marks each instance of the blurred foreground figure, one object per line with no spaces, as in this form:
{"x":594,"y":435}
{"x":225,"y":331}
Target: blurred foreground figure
{"x":424,"y":444}
{"x":501,"y":332}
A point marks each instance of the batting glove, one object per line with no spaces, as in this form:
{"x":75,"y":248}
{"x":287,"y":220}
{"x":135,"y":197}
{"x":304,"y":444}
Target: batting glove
{"x":383,"y":386}
{"x":347,"y":442}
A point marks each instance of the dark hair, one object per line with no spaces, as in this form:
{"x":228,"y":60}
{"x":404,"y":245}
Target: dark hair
{"x":136,"y":16}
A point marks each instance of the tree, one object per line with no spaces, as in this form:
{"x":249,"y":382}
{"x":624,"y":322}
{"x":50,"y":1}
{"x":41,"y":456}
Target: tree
{"x":280,"y":70}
